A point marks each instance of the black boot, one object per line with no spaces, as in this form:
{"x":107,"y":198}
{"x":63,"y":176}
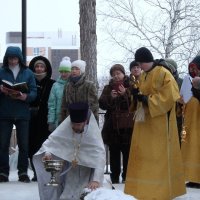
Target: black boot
{"x":3,"y":178}
{"x":193,"y":185}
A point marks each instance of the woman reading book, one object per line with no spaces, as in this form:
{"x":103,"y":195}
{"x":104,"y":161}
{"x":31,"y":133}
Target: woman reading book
{"x":14,"y":110}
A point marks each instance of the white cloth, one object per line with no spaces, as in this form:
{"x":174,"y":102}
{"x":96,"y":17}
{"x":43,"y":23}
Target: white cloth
{"x":107,"y":194}
{"x":91,"y":161}
{"x":186,"y":87}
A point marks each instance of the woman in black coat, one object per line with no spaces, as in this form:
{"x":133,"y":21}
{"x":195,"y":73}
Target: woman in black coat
{"x":38,"y":131}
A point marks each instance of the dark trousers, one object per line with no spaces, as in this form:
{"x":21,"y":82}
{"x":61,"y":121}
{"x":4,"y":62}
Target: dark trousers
{"x":115,"y":160}
{"x":32,"y":166}
{"x":22,"y":127}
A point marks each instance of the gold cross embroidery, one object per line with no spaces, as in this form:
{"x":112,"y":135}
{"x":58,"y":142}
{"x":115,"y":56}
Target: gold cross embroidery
{"x":74,"y":163}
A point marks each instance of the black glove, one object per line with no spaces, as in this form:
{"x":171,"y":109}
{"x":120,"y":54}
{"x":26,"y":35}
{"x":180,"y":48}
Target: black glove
{"x":142,"y":98}
{"x":135,"y":91}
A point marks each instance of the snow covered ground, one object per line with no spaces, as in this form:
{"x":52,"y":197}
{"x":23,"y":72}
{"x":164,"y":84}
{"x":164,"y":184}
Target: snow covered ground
{"x":29,"y":191}
{"x":16,"y":190}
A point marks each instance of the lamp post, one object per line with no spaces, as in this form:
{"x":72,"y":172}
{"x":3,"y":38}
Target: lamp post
{"x":24,"y":30}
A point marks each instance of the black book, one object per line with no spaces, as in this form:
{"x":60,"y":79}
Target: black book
{"x":20,"y":87}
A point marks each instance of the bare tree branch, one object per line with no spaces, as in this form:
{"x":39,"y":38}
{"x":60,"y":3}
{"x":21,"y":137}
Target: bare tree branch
{"x":168,"y":27}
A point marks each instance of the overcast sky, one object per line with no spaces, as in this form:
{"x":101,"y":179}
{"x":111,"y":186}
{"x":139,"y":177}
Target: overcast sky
{"x":51,"y":15}
{"x":42,"y":15}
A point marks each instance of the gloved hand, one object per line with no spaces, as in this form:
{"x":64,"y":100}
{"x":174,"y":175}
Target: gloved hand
{"x":52,"y":127}
{"x":142,"y":98}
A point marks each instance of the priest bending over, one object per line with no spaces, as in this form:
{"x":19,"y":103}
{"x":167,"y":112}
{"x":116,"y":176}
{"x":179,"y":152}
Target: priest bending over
{"x":77,"y":141}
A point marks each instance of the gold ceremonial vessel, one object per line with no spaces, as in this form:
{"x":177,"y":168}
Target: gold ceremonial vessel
{"x":53,"y":166}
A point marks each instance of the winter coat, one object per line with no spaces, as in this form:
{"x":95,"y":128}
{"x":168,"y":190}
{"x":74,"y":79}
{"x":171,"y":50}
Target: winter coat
{"x":81,"y":91}
{"x":110,"y":133}
{"x":55,"y":100}
{"x":12,"y":108}
{"x":38,"y":131}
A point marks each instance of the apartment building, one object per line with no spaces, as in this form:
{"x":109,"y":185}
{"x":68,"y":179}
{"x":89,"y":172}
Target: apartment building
{"x":52,"y":45}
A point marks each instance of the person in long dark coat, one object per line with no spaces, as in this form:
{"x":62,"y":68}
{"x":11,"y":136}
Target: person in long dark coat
{"x":115,"y":101}
{"x":38,"y":131}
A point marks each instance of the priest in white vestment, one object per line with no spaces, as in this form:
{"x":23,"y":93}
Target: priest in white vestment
{"x":78,"y":142}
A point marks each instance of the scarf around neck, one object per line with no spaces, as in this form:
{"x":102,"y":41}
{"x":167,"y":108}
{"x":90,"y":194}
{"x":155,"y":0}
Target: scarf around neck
{"x":39,"y":77}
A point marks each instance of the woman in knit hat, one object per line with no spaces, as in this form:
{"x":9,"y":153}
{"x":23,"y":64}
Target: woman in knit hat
{"x":155,"y":156}
{"x":190,"y":146}
{"x":38,"y":129}
{"x":79,"y":89}
{"x":115,"y":99}
{"x":56,"y":95}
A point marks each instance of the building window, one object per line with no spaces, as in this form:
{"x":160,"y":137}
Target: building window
{"x":36,"y":51}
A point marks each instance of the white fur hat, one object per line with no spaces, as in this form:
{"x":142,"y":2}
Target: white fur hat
{"x":81,"y":64}
{"x":65,"y":65}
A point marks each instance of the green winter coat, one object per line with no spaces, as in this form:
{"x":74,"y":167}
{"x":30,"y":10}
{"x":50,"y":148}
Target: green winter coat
{"x":55,"y":100}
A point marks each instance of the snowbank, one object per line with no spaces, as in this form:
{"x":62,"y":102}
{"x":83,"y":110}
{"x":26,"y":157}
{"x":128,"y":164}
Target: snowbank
{"x":108,"y":194}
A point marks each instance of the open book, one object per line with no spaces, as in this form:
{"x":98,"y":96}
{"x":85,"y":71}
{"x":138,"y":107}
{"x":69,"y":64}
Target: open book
{"x":18,"y":87}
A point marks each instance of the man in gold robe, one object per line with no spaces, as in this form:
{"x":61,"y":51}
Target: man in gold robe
{"x":155,"y":169}
{"x":190,"y":147}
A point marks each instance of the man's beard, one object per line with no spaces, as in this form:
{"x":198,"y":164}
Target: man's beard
{"x":78,"y":131}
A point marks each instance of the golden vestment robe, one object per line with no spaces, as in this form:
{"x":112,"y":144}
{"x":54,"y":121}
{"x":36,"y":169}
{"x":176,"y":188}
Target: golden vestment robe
{"x":191,"y":147}
{"x":155,"y":170}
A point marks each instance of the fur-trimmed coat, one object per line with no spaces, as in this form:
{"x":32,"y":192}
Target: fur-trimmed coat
{"x":80,"y":91}
{"x":38,"y":130}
